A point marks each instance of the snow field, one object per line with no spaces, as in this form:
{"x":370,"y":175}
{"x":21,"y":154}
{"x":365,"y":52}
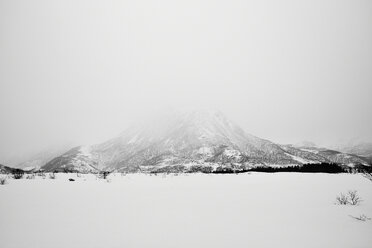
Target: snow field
{"x":196,"y":210}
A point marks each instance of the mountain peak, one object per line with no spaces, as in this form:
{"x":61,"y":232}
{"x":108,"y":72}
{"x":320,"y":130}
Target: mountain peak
{"x":198,"y":137}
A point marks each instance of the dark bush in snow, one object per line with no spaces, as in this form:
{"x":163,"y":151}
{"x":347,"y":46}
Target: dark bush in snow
{"x":41,"y":174}
{"x":18,"y":174}
{"x":342,"y":199}
{"x":352,"y":198}
{"x":30,"y":176}
{"x":2,"y":180}
{"x":103,"y":174}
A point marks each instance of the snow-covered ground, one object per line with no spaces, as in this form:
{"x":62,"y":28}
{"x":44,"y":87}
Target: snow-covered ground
{"x":199,"y":210}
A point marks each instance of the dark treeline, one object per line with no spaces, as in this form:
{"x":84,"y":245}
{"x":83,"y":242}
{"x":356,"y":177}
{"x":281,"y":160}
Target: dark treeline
{"x":9,"y":170}
{"x":331,"y":168}
{"x":306,"y":168}
{"x":360,"y":169}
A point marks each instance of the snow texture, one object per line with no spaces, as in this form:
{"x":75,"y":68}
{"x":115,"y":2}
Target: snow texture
{"x":198,"y":210}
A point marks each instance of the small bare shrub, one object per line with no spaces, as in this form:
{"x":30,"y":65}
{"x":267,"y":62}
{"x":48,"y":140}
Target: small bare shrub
{"x":18,"y":174}
{"x":103,"y":175}
{"x":342,"y":199}
{"x":361,"y":217}
{"x":3,"y":180}
{"x":52,"y":176}
{"x":352,"y":198}
{"x":42,"y":175}
{"x":368,"y":175}
{"x":30,"y":176}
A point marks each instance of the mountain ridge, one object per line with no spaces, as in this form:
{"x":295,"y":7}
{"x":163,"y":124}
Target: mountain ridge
{"x":198,"y":138}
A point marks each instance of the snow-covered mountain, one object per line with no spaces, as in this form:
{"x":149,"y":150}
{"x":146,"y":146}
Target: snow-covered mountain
{"x":334,"y":156}
{"x":199,"y":138}
{"x":77,"y":159}
{"x":362,"y":148}
{"x":6,"y":169}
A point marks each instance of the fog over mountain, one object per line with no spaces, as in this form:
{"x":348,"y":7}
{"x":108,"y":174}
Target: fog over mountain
{"x":80,"y":72}
{"x":191,"y":141}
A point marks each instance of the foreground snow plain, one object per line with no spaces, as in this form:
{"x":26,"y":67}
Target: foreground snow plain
{"x":196,"y":210}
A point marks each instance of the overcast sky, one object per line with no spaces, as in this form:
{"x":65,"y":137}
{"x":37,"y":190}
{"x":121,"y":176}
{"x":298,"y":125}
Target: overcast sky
{"x":81,"y":71}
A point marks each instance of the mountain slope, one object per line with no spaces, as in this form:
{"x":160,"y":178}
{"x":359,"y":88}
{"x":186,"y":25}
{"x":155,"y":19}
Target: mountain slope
{"x":7,"y":170}
{"x":196,"y":137}
{"x":199,"y":138}
{"x":336,"y":156}
{"x":360,"y":149}
{"x":77,"y":159}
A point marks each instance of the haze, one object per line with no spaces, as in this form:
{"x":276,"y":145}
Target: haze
{"x":79,"y":72}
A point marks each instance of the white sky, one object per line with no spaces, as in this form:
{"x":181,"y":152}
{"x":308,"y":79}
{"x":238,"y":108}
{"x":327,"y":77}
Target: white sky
{"x":81,"y":71}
